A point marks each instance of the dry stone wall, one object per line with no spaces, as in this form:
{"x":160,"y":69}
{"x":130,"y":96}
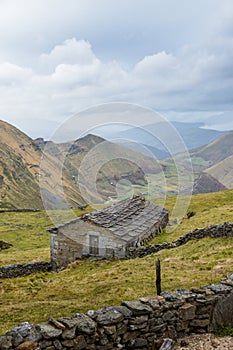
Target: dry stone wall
{"x":213,"y":231}
{"x":17,"y":270}
{"x":135,"y":324}
{"x":19,"y":210}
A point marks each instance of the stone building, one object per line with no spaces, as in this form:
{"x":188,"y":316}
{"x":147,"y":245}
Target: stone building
{"x":107,"y":232}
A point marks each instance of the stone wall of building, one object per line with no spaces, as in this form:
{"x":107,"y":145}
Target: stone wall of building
{"x":136,"y":324}
{"x":213,"y":231}
{"x":71,"y":241}
{"x":17,"y":270}
{"x":68,"y":245}
{"x":151,"y":233}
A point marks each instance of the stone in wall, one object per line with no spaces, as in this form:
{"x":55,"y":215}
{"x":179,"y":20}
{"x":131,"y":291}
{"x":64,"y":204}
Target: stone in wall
{"x":221,"y":314}
{"x":137,"y":324}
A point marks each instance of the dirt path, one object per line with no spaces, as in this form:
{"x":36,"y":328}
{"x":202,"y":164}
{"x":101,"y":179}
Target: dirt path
{"x":205,"y":342}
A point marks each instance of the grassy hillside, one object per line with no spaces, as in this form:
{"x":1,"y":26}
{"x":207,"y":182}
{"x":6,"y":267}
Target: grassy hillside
{"x":212,"y":165}
{"x":216,"y":159}
{"x":27,"y":165}
{"x":223,"y":171}
{"x":19,"y":166}
{"x":215,"y":151}
{"x":87,"y":285}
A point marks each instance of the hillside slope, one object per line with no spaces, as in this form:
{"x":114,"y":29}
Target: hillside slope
{"x":20,"y":170}
{"x":25,"y":162}
{"x":62,"y":170}
{"x":216,"y":159}
{"x":223,"y":171}
{"x":205,"y":183}
{"x":19,"y":167}
{"x":109,"y":163}
{"x":215,"y":151}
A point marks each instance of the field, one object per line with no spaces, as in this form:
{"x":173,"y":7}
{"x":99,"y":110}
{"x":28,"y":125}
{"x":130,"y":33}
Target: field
{"x":89,"y":285}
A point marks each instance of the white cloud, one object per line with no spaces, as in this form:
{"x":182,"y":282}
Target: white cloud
{"x":11,"y":74}
{"x":59,"y":57}
{"x":77,"y":79}
{"x":70,"y":52}
{"x":157,"y":64}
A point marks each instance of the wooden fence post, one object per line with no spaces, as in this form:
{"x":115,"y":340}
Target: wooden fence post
{"x":158,"y":277}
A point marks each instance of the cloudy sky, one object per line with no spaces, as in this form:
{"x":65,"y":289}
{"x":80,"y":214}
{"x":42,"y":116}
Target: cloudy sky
{"x":59,"y":57}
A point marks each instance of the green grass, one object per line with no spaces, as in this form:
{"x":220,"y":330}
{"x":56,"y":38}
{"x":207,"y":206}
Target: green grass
{"x":28,"y":234}
{"x":211,"y":208}
{"x":224,"y":331}
{"x":89,"y":285}
{"x":200,"y":161}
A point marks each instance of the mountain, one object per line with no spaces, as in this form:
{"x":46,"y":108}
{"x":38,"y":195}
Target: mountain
{"x":156,"y":137}
{"x":145,"y":149}
{"x":91,"y":167}
{"x":92,"y":159}
{"x":19,"y":167}
{"x":216,"y":159}
{"x":20,"y":170}
{"x":223,"y":171}
{"x":195,"y":135}
{"x":215,"y":151}
{"x":28,"y":166}
{"x":205,"y":183}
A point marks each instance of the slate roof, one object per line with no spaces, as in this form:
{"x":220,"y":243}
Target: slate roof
{"x":129,"y":218}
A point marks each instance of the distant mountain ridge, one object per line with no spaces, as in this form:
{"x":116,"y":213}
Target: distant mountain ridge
{"x":192,"y":134}
{"x":195,"y":135}
{"x":21,"y":171}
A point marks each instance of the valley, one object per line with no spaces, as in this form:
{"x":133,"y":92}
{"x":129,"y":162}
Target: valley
{"x":31,"y":167}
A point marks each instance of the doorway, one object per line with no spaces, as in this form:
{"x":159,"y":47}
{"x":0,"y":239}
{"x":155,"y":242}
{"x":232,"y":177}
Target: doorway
{"x":94,"y":244}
